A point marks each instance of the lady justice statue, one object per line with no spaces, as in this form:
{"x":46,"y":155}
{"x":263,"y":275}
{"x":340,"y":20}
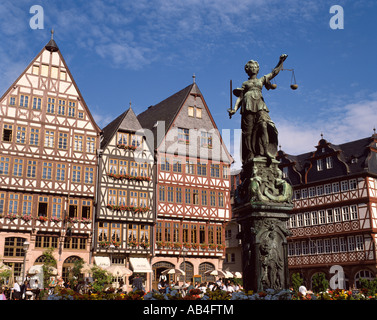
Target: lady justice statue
{"x":259,"y":134}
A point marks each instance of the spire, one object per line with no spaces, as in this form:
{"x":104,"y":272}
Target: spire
{"x":51,"y":45}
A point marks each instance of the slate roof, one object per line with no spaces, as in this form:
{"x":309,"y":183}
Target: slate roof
{"x":127,"y":121}
{"x":356,"y":156}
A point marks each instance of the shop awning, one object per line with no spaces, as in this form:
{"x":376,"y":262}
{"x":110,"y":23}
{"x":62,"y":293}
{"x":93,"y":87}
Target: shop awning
{"x":102,"y":262}
{"x":140,"y":265}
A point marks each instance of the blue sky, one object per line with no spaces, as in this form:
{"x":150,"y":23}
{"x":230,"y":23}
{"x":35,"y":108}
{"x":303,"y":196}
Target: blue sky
{"x":144,"y":51}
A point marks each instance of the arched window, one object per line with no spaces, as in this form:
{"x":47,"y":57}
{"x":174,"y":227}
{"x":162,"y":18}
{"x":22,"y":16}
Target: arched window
{"x":188,"y":268}
{"x":206,"y":267}
{"x":68,"y":265}
{"x":363,"y":274}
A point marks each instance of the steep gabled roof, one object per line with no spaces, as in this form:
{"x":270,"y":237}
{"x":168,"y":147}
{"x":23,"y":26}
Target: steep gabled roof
{"x":165,"y":110}
{"x":127,"y":121}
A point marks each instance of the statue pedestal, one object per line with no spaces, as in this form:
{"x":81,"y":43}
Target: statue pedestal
{"x":263,"y":202}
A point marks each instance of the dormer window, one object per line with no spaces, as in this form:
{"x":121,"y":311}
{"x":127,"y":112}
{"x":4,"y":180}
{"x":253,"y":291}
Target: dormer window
{"x":329,"y":162}
{"x":319,"y":165}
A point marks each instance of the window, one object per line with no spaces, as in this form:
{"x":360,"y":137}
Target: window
{"x":194,"y":238}
{"x":134,"y":169}
{"x":57,"y":207}
{"x":219,"y":235}
{"x":320,"y":246}
{"x":27,"y":205}
{"x":170,"y":194}
{"x":319,"y":165}
{"x":344,"y":185}
{"x":354,"y":214}
{"x":90,"y":144}
{"x":24,"y":101}
{"x":42,"y":206}
{"x":158,"y":231}
{"x":190,"y":111}
{"x":103,"y":231}
{"x":338,"y":215}
{"x":190,"y":167}
{"x":35,"y":70}
{"x":329,"y":162}
{"x":50,"y":105}
{"x":60,"y":172}
{"x":134,"y":198}
{"x":21,"y":135}
{"x":353,"y":184}
{"x":198,"y":113}
{"x":18,"y":167}
{"x":314,"y":218}
{"x":351,"y":243}
{"x":188,"y":196}
{"x":202,"y":234}
{"x":213,"y":199}
{"x":63,"y":75}
{"x":112,"y":197}
{"x":183,"y":135}
{"x":307,"y":219}
{"x":225,"y":172}
{"x":89,"y":175}
{"x":319,"y":190}
{"x":304,"y":193}
{"x":78,"y":143}
{"x":144,"y":170}
{"x":342,"y":244}
{"x":73,"y":208}
{"x":359,"y":243}
{"x":177,"y":166}
{"x":122,"y":138}
{"x":143,"y":200}
{"x":312,"y":192}
{"x":13,"y":203}
{"x":322,"y":216}
{"x":122,"y":197}
{"x":63,"y":141}
{"x":31,"y":169}
{"x":71,"y":108}
{"x":61,"y":107}
{"x":123,"y":167}
{"x":113,"y":166}
{"x":195,"y":197}
{"x":47,"y":171}
{"x":162,"y":193}
{"x":13,"y":247}
{"x":304,"y":246}
{"x":215,"y":170}
{"x":221,"y":199}
{"x":12,"y":101}
{"x":76,"y":174}
{"x":298,"y":248}
{"x":312,"y":247}
{"x":185,"y":232}
{"x":206,"y":139}
{"x":167,"y":231}
{"x":175,"y":232}
{"x":330,"y":217}
{"x":165,"y":165}
{"x":202,"y":169}
{"x":335,"y":187}
{"x":49,"y":138}
{"x":44,"y":70}
{"x":346,"y":213}
{"x":144,"y":233}
{"x":293,"y":221}
{"x":136,"y":140}
{"x":115,"y":232}
{"x":178,"y":194}
{"x":300,"y":220}
{"x":37,"y":103}
{"x":204,"y":197}
{"x":327,"y":188}
{"x":7,"y":132}
{"x":34,"y":136}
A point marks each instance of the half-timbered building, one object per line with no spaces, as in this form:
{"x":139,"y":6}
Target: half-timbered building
{"x":124,"y":219}
{"x":192,"y":185}
{"x":48,"y":145}
{"x":335,"y":210}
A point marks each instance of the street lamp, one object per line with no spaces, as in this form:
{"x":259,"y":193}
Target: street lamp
{"x":184,"y":253}
{"x":25,"y":247}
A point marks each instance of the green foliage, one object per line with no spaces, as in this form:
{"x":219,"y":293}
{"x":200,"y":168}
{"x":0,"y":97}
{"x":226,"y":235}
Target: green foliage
{"x":101,"y":279}
{"x":319,"y":282}
{"x":75,"y":272}
{"x":49,"y":262}
{"x":368,"y":287}
{"x":297,"y":281}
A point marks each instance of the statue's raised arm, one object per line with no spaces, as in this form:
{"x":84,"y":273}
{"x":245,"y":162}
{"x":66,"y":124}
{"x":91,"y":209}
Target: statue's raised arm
{"x":278,"y":67}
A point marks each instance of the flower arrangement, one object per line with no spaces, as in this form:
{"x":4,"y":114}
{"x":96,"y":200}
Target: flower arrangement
{"x":86,"y":220}
{"x":195,"y":245}
{"x":126,"y":147}
{"x":109,"y":243}
{"x":220,"y":247}
{"x":119,"y":176}
{"x":187,"y":245}
{"x":42,"y":219}
{"x":212,"y":246}
{"x":11,"y":216}
{"x":26,"y":217}
{"x":73,"y":219}
{"x":160,"y":244}
{"x":203,"y":246}
{"x":177,"y":245}
{"x":55,"y":219}
{"x":133,"y":209}
{"x":144,"y":245}
{"x":132,"y":243}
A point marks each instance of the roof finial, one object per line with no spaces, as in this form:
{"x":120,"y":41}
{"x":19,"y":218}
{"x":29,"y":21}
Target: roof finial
{"x":52,"y":34}
{"x":321,"y":135}
{"x":374,"y":130}
{"x":130,"y":103}
{"x":193,"y":78}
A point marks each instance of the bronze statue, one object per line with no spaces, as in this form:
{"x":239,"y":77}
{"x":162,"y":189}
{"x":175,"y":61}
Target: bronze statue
{"x":259,"y":134}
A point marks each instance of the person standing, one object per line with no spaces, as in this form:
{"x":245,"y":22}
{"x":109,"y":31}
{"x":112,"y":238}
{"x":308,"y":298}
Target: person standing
{"x":16,"y":291}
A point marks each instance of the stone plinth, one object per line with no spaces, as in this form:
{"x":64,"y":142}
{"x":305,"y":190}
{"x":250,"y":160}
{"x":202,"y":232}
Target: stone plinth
{"x":263,"y":203}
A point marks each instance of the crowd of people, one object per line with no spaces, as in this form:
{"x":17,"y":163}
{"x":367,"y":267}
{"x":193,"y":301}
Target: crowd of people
{"x":220,"y":284}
